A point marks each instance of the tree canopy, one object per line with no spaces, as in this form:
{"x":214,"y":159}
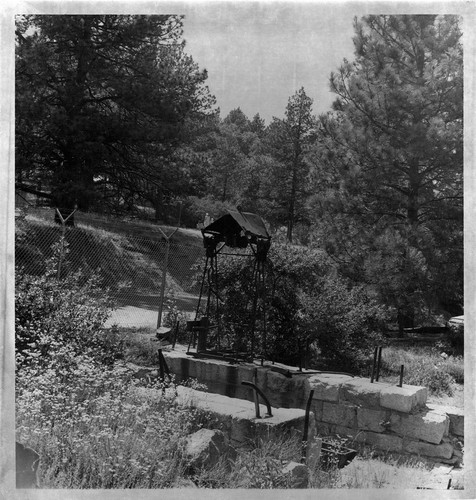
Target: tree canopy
{"x":288,"y":141}
{"x":101,"y":102}
{"x":391,"y":161}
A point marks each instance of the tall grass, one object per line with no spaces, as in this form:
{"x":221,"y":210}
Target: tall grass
{"x":92,"y":429}
{"x":384,"y":470}
{"x":423,"y":366}
{"x":259,"y":465}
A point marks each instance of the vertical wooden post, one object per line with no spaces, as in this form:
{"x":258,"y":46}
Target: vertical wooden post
{"x":255,"y":394}
{"x":379,"y":361}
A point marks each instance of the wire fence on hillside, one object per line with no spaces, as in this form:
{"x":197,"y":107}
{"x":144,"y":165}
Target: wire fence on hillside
{"x":129,"y":258}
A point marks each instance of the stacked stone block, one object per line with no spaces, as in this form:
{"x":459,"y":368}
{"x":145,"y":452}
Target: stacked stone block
{"x":388,"y":417}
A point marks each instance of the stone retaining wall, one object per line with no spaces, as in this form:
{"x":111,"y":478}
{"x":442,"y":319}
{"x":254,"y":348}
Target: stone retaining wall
{"x":380,"y":414}
{"x":388,"y":417}
{"x":221,"y":377}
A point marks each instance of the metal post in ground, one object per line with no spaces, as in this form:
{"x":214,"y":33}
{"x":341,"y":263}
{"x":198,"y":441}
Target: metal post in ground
{"x":63,"y":231}
{"x":379,"y":362}
{"x":400,"y":383}
{"x":374,"y":365}
{"x":306,"y":426}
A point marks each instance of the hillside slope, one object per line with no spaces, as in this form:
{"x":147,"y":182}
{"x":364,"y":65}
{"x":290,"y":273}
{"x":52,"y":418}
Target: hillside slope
{"x":122,"y":252}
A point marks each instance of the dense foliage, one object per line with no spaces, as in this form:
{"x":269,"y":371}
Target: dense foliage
{"x":101,"y":106}
{"x":93,"y":429}
{"x":308,"y":307}
{"x":389,"y":194}
{"x":77,"y":405}
{"x":63,"y":318}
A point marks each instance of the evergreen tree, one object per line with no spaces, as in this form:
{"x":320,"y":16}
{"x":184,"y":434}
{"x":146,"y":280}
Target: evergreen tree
{"x":231,"y":173}
{"x":288,"y":141}
{"x":100,"y":105}
{"x":390,"y":162}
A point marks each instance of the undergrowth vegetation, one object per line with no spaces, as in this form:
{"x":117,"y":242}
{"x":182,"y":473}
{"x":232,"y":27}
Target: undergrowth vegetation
{"x":76,"y":404}
{"x":81,"y":408}
{"x":52,"y":315}
{"x":424,"y":366}
{"x":92,"y":430}
{"x":307,"y":304}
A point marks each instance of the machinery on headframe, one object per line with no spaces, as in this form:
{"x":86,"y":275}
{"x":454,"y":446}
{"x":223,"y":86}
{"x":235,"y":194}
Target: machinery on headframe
{"x":231,"y":234}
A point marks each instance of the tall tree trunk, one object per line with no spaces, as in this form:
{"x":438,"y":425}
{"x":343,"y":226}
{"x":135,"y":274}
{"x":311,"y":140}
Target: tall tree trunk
{"x":293,"y":194}
{"x":225,"y":188}
{"x":292,"y":205}
{"x":414,"y":187}
{"x":159,"y":206}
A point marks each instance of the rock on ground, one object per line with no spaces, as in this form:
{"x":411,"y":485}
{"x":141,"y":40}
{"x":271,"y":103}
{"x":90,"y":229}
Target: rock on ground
{"x":205,"y":448}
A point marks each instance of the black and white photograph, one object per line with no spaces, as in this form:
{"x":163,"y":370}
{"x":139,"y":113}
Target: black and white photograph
{"x":237,"y":249}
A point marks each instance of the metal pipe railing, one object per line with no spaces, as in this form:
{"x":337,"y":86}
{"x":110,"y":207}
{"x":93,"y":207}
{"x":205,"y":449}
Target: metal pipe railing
{"x":261,"y":393}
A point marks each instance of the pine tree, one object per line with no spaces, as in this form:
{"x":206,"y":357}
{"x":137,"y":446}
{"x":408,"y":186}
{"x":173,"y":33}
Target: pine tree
{"x":100,"y":105}
{"x":288,"y":141}
{"x":391,"y":160}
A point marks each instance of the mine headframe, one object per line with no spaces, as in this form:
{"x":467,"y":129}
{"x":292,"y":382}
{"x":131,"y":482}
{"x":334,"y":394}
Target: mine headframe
{"x":240,"y":234}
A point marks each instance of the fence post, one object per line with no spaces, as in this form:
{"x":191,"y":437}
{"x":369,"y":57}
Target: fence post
{"x":164,"y":275}
{"x":63,"y":231}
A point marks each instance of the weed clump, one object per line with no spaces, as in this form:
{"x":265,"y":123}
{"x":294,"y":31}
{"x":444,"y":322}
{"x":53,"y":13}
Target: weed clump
{"x":424,"y":367}
{"x":62,"y":315}
{"x":80,"y":409}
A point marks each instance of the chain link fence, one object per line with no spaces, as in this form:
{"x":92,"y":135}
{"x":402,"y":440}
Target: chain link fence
{"x":129,"y":257}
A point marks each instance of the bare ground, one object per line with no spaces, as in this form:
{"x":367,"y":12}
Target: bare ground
{"x":457,"y":399}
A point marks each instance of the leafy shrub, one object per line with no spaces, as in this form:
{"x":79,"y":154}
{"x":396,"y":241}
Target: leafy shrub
{"x":289,"y":269}
{"x":424,"y":367}
{"x":345,"y":321}
{"x":51,"y":314}
{"x":306,"y":303}
{"x":454,"y":366}
{"x":93,"y":428}
{"x":174,"y":318}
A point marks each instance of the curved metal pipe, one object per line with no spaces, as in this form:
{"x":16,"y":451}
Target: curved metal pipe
{"x":261,"y":393}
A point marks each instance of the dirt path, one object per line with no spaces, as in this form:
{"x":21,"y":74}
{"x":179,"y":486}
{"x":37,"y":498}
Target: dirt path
{"x":141,"y":311}
{"x":457,"y":399}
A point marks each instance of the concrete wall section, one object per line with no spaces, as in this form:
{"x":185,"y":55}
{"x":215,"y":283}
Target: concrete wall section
{"x":221,"y":377}
{"x":237,"y":417}
{"x":383,"y":415}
